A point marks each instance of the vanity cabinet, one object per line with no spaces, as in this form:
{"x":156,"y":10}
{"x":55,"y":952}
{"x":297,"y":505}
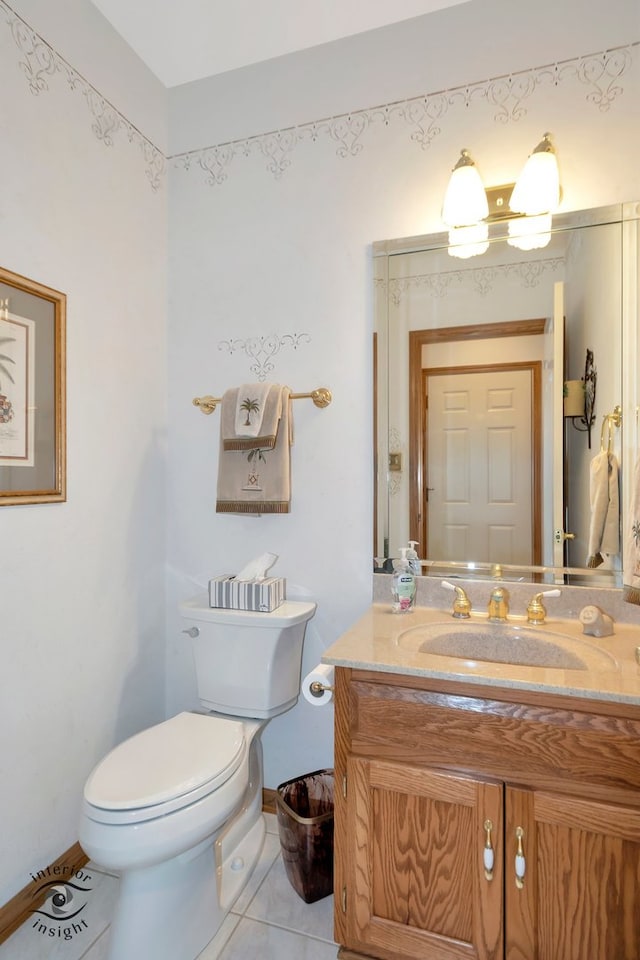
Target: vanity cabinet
{"x":441,"y":785}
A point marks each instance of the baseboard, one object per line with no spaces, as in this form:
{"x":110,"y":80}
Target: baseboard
{"x":17,"y":910}
{"x":269,"y":800}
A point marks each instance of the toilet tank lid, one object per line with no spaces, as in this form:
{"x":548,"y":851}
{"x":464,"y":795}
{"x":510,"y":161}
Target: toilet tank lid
{"x":288,"y":614}
{"x":166,"y":761}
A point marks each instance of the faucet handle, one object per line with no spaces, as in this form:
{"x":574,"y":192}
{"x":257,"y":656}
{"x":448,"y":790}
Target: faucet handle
{"x":461,"y":604}
{"x":536,"y":610}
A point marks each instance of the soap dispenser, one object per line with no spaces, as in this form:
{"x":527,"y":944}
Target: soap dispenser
{"x":403,"y":584}
{"x":414,"y":562}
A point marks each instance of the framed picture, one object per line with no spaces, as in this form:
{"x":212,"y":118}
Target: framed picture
{"x":32,"y":392}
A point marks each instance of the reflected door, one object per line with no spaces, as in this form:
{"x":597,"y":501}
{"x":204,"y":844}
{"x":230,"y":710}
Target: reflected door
{"x":481,"y":457}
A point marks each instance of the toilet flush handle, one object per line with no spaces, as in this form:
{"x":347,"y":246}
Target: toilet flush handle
{"x":192,"y":632}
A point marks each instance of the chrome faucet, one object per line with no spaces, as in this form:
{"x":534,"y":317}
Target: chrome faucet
{"x":498,"y":605}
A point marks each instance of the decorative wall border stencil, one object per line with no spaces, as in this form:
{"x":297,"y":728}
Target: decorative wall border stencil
{"x":40,"y":62}
{"x":261,"y":349}
{"x":527,"y":273}
{"x":600,"y":73}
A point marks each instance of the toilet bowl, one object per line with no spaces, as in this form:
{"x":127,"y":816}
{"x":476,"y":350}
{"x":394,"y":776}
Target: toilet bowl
{"x":176,"y":810}
{"x":161,"y":826}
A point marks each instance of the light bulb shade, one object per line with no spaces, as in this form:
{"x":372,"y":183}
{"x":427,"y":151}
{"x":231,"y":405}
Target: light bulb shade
{"x":537,"y":189}
{"x":472,"y":241}
{"x":465,"y":200}
{"x":530,"y":233}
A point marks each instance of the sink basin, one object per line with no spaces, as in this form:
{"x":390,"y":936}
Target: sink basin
{"x":506,"y":643}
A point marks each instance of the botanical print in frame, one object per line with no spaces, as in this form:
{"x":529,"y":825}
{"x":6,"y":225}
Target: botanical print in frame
{"x":32,"y":392}
{"x":17,"y":369}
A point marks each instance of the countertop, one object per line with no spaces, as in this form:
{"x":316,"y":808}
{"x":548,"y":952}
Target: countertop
{"x":387,"y":642}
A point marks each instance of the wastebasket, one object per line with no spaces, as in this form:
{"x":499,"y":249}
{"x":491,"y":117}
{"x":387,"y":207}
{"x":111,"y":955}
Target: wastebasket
{"x":305,"y":825}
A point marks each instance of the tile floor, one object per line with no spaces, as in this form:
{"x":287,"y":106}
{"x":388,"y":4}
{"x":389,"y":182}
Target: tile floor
{"x":269,"y":921}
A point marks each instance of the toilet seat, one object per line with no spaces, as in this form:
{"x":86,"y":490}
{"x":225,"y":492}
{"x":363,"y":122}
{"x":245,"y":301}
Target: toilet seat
{"x":165,"y":768}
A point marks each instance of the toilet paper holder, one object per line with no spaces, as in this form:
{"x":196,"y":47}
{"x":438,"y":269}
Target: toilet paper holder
{"x":316,"y":688}
{"x":318,"y":685}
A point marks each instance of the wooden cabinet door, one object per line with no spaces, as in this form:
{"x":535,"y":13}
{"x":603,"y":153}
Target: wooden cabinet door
{"x":579,"y":896}
{"x":415,"y":880}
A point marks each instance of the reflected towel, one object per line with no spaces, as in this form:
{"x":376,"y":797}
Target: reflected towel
{"x":261,"y":405}
{"x":258,"y":480}
{"x":631,"y":591}
{"x":604,"y":529}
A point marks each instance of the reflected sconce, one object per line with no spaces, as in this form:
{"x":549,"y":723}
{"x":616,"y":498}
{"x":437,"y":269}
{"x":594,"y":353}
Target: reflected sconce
{"x":532,"y":201}
{"x":573,"y":398}
{"x":465,"y":209}
{"x":580,"y":398}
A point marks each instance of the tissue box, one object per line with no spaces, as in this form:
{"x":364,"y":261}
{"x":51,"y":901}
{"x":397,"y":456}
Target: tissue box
{"x":259,"y":595}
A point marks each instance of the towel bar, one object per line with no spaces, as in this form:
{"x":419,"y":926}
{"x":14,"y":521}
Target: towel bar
{"x":321,"y":397}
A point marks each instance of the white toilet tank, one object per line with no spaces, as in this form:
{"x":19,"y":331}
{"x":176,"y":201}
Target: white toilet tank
{"x":247,"y":664}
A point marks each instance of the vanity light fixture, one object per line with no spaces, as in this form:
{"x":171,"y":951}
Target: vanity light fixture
{"x":537,"y":189}
{"x":465,"y":209}
{"x":536,"y":195}
{"x":465,"y":200}
{"x":531,"y":203}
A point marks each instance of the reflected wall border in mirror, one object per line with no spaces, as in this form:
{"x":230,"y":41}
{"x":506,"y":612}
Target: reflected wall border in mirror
{"x":399,"y":275}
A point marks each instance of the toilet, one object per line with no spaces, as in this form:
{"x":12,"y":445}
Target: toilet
{"x":176,"y":810}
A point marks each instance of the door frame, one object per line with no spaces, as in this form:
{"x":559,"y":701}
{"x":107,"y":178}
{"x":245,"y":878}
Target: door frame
{"x":418,"y":424}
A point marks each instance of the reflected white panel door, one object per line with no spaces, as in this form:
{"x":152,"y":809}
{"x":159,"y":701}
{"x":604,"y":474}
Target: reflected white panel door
{"x":480,"y":465}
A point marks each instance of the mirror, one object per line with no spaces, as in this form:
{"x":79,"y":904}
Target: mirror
{"x":480,"y":457}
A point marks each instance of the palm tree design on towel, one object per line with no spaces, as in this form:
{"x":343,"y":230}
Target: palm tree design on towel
{"x":254,"y":457}
{"x":249,"y":406}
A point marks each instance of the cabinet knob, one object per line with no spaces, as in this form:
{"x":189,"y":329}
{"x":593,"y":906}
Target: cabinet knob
{"x":520,"y":861}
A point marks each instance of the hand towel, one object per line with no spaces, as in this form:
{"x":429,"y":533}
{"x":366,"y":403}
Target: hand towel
{"x":258,"y":480}
{"x":631,"y":592}
{"x":238,"y":407}
{"x":250,"y":408}
{"x":604,"y":529}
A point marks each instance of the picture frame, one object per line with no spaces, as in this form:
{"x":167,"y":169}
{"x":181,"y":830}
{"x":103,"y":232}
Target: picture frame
{"x":32,"y":391}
